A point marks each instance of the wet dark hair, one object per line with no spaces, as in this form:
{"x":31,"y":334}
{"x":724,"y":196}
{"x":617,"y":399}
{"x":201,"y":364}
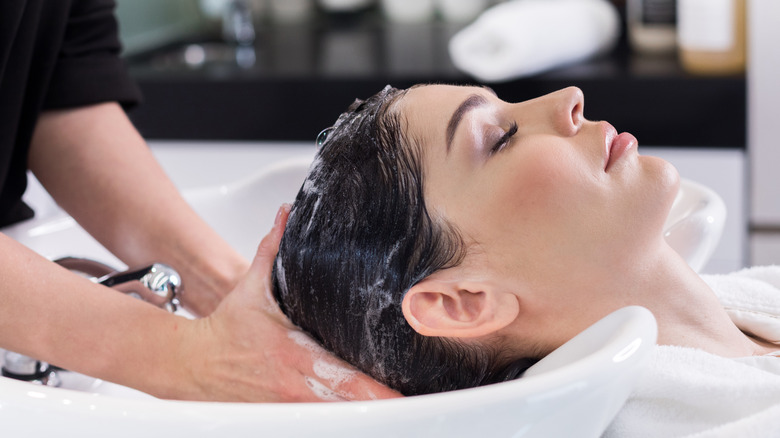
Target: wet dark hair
{"x":359,"y":236}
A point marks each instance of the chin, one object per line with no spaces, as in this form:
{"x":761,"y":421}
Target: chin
{"x":661,"y":175}
{"x":659,"y":190}
{"x":666,"y":182}
{"x":669,"y":178}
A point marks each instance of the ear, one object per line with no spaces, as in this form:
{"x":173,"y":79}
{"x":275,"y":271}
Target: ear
{"x":441,"y":306}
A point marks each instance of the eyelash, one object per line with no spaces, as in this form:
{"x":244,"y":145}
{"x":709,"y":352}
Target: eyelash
{"x":504,"y":140}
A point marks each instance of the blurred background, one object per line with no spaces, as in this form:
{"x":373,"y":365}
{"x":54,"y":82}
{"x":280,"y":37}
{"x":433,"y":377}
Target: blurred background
{"x":261,"y":72}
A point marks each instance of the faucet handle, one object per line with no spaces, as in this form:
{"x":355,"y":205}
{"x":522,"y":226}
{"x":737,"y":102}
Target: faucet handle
{"x":20,"y":367}
{"x":90,"y":268}
{"x":157,"y":283}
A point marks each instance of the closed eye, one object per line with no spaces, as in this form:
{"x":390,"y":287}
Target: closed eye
{"x":505,"y":139}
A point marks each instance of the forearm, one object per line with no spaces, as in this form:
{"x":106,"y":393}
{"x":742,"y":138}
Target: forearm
{"x":99,"y":169}
{"x":59,"y":317}
{"x":245,"y":351}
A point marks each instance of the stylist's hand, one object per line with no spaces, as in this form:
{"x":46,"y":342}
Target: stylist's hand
{"x":249,"y":351}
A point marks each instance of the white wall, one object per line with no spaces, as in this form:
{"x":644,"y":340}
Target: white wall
{"x":763,"y":126}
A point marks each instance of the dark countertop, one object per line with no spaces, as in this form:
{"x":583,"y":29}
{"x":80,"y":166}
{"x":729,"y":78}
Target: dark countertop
{"x":304,"y":76}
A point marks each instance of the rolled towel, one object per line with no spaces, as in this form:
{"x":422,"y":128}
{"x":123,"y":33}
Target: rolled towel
{"x":524,"y":37}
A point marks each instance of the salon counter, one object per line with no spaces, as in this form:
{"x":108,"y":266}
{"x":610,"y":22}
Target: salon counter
{"x":304,"y":76}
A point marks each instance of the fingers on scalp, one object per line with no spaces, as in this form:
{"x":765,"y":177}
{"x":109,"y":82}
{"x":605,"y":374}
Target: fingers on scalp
{"x":270,"y":244}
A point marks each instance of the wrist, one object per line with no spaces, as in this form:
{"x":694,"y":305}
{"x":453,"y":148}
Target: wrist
{"x":202,"y":367}
{"x":206,"y":282}
{"x":147,"y":348}
{"x":179,"y":363}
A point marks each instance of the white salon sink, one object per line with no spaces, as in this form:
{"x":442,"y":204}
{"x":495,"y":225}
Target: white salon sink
{"x":574,"y":392}
{"x":695,"y":223}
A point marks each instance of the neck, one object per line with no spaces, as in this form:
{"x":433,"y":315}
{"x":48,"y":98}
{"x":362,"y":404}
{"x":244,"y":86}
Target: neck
{"x":686,"y":309}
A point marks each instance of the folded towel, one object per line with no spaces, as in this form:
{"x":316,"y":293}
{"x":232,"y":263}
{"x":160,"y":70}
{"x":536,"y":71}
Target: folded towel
{"x":688,"y":392}
{"x":763,"y":424}
{"x":523,"y":37}
{"x":752,"y":299}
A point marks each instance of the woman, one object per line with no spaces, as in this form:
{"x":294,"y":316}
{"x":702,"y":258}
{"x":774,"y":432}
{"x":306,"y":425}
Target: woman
{"x":446,"y":239}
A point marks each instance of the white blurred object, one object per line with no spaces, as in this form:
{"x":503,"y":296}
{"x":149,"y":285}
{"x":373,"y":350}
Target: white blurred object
{"x":524,"y":37}
{"x":291,"y":11}
{"x":408,"y":11}
{"x":215,"y":8}
{"x":344,"y":5}
{"x":212,"y":8}
{"x":460,"y":11}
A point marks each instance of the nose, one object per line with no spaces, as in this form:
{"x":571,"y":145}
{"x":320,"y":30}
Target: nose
{"x":567,"y":108}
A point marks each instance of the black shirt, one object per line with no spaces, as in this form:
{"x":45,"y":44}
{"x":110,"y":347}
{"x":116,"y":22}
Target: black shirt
{"x":53,"y":54}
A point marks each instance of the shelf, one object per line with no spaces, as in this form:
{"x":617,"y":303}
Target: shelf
{"x":304,"y":76}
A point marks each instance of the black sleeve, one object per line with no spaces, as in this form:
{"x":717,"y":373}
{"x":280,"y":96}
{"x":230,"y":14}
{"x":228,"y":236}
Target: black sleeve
{"x":88,"y":69}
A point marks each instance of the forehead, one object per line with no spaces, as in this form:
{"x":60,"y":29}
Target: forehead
{"x":432,"y":100}
{"x":427,"y":109}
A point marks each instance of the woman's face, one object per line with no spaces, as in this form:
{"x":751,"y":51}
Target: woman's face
{"x":541,"y":194}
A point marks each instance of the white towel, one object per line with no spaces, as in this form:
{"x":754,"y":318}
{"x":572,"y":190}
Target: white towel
{"x":752,"y":299}
{"x":524,"y":37}
{"x":688,"y":392}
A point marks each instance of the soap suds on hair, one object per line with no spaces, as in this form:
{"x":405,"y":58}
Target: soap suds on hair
{"x":315,"y":165}
{"x":309,"y":187}
{"x":280,"y":274}
{"x":378,"y":300}
{"x":312,"y":216}
{"x":392,"y":255}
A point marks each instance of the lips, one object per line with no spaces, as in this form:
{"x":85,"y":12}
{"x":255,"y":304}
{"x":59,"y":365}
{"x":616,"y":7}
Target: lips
{"x":615,"y":145}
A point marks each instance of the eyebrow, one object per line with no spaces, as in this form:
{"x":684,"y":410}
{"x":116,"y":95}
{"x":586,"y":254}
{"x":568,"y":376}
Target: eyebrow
{"x":471,"y":102}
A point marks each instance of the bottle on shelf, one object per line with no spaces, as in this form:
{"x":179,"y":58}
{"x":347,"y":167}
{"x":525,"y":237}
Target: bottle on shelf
{"x":652,"y":25}
{"x":408,"y":11}
{"x":711,"y":36}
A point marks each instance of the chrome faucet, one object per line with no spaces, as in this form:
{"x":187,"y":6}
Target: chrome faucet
{"x":20,"y":367}
{"x":157,"y":284}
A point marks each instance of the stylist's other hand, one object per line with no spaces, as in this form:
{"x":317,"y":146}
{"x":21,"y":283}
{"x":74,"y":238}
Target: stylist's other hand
{"x":249,"y":351}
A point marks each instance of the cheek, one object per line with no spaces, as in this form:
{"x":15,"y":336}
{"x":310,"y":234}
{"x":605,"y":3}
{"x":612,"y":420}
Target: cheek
{"x":538,"y":195}
{"x":547,"y":186}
